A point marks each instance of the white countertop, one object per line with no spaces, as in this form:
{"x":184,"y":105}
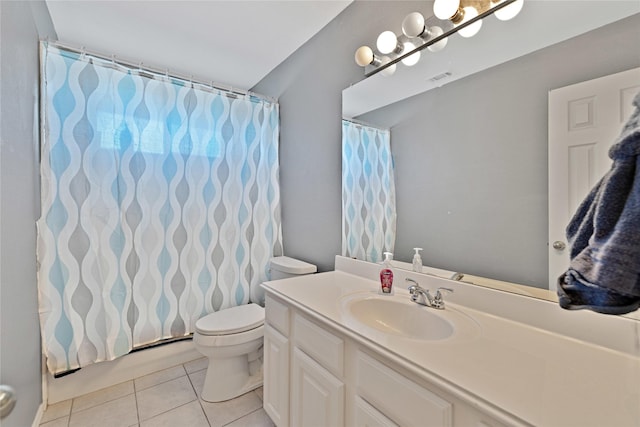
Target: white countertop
{"x":540,"y":377}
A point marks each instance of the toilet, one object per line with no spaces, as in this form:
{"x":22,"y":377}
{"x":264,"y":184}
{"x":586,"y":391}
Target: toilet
{"x":232,"y":339}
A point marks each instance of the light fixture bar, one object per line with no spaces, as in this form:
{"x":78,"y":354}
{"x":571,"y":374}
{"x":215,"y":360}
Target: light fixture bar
{"x":444,"y":35}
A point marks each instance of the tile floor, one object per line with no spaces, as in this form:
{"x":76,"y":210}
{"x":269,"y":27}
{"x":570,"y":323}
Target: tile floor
{"x":163,"y":399}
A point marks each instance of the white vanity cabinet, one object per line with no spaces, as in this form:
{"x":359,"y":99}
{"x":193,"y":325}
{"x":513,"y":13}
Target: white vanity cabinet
{"x":317,"y":397}
{"x":397,"y":397}
{"x":385,"y":396}
{"x":276,"y":362}
{"x":317,"y":388}
{"x":303,"y":366}
{"x":315,"y":375}
{"x":338,"y":353}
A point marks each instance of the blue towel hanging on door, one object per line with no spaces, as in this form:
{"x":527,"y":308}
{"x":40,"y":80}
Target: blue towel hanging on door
{"x":604,"y":271}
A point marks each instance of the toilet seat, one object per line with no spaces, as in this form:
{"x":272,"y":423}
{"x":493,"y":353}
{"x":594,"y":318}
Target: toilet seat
{"x":232,"y":320}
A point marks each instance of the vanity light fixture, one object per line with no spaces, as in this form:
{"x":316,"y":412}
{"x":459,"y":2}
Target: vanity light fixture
{"x":448,"y":9}
{"x":388,"y":42}
{"x":458,"y":14}
{"x":412,"y":59}
{"x":413,"y":26}
{"x":365,"y":56}
{"x":471,"y":30}
{"x":388,"y":71}
{"x":508,"y":12}
{"x":450,"y":17}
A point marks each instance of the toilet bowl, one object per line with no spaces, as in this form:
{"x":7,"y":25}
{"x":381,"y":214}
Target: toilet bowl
{"x":232,"y":340}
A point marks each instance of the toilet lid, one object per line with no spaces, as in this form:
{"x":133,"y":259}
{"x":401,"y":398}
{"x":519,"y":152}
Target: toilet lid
{"x":231,"y":320}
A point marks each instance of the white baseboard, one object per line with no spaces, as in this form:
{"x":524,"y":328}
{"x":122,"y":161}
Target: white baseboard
{"x":105,"y":374}
{"x":39,"y":414}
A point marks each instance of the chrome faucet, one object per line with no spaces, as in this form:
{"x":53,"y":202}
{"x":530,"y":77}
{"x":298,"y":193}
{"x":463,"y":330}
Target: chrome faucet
{"x":422,"y":296}
{"x":419,"y":294}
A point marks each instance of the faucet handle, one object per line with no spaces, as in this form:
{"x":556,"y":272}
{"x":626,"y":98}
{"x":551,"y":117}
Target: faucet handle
{"x":412,"y":288}
{"x":438,"y":302}
{"x":439,"y":295}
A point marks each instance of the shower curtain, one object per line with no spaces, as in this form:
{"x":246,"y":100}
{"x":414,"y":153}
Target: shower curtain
{"x":368,"y":192}
{"x":160,"y":204}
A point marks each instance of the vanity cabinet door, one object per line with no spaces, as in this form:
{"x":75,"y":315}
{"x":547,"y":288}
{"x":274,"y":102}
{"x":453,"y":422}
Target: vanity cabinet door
{"x":398,"y":398}
{"x":317,"y":398}
{"x":276,"y":376}
{"x":368,"y":416}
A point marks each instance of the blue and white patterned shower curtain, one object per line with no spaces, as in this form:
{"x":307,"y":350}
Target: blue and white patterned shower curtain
{"x":160,"y":203}
{"x":368,"y":192}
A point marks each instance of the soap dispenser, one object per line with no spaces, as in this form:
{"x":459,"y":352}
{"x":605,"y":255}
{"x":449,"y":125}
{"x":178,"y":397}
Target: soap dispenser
{"x":386,"y":275}
{"x":417,"y":261}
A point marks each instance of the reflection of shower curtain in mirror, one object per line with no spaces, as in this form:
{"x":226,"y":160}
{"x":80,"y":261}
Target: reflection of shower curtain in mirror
{"x":368,"y":192}
{"x":160,"y":203}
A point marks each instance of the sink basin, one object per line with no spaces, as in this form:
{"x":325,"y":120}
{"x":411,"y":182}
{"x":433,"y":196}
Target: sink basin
{"x":398,"y":316}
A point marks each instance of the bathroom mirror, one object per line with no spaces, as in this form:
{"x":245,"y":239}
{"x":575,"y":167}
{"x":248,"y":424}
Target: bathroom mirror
{"x":469,"y":134}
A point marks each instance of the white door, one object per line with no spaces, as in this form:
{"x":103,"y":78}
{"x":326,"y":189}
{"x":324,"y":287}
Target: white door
{"x":584,"y":121}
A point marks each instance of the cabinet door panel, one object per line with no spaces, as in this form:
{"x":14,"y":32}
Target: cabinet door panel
{"x":368,"y":416}
{"x":317,"y":398}
{"x":399,"y":398}
{"x":320,"y":344}
{"x":276,"y":376}
{"x":278,"y":315}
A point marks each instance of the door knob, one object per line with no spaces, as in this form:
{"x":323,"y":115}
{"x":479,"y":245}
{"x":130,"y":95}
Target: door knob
{"x":7,"y":400}
{"x":559,"y":245}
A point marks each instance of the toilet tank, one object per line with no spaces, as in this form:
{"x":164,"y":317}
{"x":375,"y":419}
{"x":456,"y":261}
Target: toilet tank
{"x":283,"y":267}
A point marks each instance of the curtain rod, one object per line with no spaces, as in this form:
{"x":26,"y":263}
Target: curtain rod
{"x":361,"y":123}
{"x":157,"y":71}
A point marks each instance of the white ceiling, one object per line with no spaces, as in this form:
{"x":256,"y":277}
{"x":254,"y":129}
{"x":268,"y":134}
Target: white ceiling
{"x":234,"y":43}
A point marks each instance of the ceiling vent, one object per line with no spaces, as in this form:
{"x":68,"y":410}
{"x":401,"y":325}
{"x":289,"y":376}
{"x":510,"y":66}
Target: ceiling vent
{"x":440,"y":76}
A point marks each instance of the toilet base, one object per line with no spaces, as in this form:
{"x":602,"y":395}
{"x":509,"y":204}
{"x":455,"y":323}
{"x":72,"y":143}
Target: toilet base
{"x":235,"y":363}
{"x":233,"y":385}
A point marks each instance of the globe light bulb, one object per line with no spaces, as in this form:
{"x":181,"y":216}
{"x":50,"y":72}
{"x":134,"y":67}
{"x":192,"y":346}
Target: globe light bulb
{"x":410,"y":60}
{"x":471,"y":30}
{"x":413,"y":25}
{"x":436,"y":31}
{"x":364,"y":56}
{"x":390,"y":69}
{"x":387,"y":42}
{"x":445,"y":9}
{"x":508,"y":12}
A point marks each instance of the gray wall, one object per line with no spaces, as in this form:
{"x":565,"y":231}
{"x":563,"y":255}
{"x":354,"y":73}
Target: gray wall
{"x":471,"y":157}
{"x":504,"y":179}
{"x":309,"y":87}
{"x":20,"y":360}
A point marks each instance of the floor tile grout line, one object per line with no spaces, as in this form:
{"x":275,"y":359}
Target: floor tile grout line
{"x":56,"y":418}
{"x":168,"y":410}
{"x":135,"y":390}
{"x":195,"y":372}
{"x":101,"y":403}
{"x":73,"y":399}
{"x":248,"y":413}
{"x":161,"y":382}
{"x":245,"y":415}
{"x":199,"y":400}
{"x":135,"y":397}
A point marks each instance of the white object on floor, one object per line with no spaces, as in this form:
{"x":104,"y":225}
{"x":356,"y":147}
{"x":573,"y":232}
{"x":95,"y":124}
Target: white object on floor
{"x":232,"y":340}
